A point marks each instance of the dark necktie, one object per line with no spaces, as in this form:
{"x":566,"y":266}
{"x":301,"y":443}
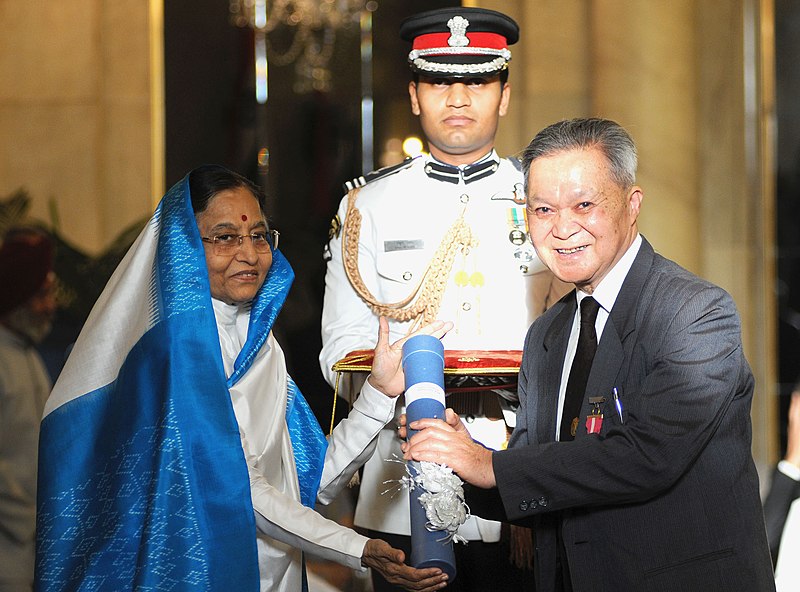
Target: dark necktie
{"x":579,"y":373}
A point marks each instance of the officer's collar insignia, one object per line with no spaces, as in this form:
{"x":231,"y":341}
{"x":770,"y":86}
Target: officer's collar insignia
{"x":453,"y":174}
{"x":458,"y":32}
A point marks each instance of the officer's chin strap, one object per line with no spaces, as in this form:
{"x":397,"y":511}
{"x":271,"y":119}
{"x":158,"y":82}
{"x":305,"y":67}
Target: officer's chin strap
{"x":422,"y":305}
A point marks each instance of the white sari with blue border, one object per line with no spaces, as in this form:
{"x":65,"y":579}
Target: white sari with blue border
{"x":143,"y":482}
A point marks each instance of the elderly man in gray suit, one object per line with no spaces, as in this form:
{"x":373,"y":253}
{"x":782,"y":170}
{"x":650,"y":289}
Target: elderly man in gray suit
{"x":631,"y":458}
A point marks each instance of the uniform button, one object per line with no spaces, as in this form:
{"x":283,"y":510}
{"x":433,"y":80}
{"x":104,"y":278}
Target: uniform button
{"x":407,"y":275}
{"x":494,"y":167}
{"x":470,"y":419}
{"x":464,"y":198}
{"x":428,"y":169}
{"x":543,"y":502}
{"x":533,"y":504}
{"x":523,"y":268}
{"x":466,"y":306}
{"x":523,"y":506}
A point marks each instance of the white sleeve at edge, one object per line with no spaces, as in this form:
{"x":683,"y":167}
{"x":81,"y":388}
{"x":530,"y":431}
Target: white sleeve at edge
{"x":354,"y":440}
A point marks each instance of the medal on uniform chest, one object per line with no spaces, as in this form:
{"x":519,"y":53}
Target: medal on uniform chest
{"x":523,"y":255}
{"x":516,"y":224}
{"x":518,"y":236}
{"x":594,"y":421}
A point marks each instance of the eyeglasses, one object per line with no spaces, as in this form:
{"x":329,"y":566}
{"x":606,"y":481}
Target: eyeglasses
{"x":228,"y":243}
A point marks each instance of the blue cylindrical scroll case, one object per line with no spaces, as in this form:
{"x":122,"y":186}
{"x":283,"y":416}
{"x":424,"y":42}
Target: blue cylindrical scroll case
{"x":423,"y":365}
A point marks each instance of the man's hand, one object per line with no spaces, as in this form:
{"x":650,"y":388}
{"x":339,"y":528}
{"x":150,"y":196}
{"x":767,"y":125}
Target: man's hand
{"x":448,"y":442}
{"x":387,"y":365}
{"x":450,"y":416}
{"x":388,"y":561}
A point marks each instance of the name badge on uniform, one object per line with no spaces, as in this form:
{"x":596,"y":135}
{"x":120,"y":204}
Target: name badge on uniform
{"x":403,"y":245}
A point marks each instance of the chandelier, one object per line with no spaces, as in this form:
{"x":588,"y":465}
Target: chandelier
{"x":299,"y":32}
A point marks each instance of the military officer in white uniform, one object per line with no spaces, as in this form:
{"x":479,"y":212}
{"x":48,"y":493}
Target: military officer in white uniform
{"x":440,"y":236}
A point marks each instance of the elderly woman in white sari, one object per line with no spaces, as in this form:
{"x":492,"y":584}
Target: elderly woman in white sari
{"x":176,"y":451}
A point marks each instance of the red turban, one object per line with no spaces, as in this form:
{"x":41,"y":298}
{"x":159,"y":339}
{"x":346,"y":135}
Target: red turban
{"x":26,"y":258}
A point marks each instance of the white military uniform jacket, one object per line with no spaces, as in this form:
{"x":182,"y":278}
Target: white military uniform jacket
{"x":492,"y":294}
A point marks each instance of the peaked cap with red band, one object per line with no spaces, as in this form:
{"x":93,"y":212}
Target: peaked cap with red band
{"x":459,"y":42}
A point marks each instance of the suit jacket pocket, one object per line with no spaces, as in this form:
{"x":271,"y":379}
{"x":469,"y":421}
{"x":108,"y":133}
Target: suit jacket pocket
{"x":711,"y":572}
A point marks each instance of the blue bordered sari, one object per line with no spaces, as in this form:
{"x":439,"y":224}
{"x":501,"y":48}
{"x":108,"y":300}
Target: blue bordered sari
{"x":143,"y":483}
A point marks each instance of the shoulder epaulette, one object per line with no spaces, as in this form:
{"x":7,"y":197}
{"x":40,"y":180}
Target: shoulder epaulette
{"x":378,"y":174}
{"x":516,"y":162}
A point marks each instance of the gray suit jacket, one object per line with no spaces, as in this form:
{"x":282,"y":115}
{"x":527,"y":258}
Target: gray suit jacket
{"x":667,"y":500}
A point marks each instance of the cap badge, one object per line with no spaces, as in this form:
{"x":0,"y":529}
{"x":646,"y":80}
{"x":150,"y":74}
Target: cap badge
{"x":458,"y":32}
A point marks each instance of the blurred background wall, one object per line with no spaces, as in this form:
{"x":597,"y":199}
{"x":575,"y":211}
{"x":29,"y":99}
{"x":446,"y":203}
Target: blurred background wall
{"x":106,"y":103}
{"x":76,"y":112}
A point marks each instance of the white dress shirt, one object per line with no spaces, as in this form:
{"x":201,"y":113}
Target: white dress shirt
{"x":606,"y":294}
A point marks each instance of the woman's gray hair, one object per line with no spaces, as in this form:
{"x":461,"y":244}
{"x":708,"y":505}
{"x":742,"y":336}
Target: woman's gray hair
{"x":584,"y":133}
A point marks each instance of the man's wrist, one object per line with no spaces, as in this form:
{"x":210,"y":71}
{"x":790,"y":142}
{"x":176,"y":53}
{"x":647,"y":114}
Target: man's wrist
{"x":489,"y":479}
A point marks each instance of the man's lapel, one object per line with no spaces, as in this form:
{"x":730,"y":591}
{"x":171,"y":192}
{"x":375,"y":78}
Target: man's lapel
{"x":621,"y":323}
{"x":555,"y":348}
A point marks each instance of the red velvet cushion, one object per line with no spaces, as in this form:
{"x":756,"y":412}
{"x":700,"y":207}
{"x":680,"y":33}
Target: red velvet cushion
{"x":456,"y":362}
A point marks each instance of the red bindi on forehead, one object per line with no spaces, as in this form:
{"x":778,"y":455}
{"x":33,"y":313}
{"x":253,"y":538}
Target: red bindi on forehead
{"x":244,"y":218}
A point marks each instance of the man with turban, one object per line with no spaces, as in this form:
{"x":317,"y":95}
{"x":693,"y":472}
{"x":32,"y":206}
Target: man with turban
{"x":27,"y":306}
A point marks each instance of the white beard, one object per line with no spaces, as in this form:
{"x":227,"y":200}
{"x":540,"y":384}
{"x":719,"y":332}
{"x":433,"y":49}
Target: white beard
{"x":31,"y":326}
